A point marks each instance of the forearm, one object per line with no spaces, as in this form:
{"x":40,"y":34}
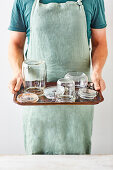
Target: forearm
{"x":16,"y":57}
{"x":99,"y":56}
{"x":99,"y":49}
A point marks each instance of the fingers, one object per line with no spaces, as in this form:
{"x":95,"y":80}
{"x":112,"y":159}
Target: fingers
{"x":12,"y":86}
{"x":18,"y":84}
{"x":24,"y":83}
{"x":102,"y":85}
{"x":98,"y":81}
{"x":15,"y":85}
{"x":96,"y":84}
{"x":99,"y":85}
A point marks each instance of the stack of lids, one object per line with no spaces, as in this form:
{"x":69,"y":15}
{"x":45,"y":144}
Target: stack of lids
{"x":86,"y":93}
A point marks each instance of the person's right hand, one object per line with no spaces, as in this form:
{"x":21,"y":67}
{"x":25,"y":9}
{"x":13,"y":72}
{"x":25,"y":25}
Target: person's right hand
{"x":15,"y":83}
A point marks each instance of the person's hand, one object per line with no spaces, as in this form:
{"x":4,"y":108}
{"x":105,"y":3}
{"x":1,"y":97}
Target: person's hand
{"x":98,"y":81}
{"x":15,"y":83}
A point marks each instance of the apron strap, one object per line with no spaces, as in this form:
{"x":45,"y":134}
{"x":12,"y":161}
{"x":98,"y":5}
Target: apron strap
{"x":79,"y":2}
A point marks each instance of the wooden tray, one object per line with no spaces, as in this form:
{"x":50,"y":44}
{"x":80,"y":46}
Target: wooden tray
{"x":44,"y":101}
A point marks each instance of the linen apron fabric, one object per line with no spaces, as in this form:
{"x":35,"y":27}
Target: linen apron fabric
{"x":58,"y":35}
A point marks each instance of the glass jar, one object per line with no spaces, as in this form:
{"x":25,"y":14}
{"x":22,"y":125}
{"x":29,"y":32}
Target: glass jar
{"x":34,"y":75}
{"x":80,"y":78}
{"x":65,"y":91}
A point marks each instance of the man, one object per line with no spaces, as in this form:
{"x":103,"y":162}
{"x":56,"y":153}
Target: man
{"x":24,"y":18}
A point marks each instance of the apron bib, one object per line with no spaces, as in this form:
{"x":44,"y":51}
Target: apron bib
{"x":58,"y":35}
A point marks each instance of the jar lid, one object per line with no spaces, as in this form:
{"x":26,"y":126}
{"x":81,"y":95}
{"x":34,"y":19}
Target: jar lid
{"x":86,"y":93}
{"x":27,"y":97}
{"x":49,"y":92}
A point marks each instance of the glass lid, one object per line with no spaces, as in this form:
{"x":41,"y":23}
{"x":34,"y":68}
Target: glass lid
{"x":49,"y":92}
{"x":87,"y":93}
{"x":27,"y":97}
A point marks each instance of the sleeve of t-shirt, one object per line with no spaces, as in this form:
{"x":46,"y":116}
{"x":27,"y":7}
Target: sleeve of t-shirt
{"x":17,"y":22}
{"x":98,"y":15}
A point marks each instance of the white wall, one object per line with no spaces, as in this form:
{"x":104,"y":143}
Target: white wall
{"x":102,"y":139}
{"x":11,"y":132}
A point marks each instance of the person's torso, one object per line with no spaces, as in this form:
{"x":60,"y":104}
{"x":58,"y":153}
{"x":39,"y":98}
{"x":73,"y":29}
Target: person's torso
{"x":27,"y":7}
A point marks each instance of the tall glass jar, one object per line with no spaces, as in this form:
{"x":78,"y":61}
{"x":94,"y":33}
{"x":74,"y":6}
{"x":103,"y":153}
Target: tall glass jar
{"x":34,"y":75}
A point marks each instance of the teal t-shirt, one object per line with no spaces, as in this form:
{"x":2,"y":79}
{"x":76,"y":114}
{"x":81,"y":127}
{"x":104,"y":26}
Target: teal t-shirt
{"x":20,"y":18}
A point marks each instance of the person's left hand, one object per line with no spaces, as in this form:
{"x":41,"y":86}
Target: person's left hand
{"x":99,"y":83}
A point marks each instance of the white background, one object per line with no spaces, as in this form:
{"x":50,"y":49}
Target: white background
{"x":11,"y":132}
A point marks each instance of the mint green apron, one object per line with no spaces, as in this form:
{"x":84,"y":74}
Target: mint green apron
{"x":59,"y":36}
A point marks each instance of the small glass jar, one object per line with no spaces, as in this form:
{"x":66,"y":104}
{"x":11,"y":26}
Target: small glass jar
{"x":80,"y":78}
{"x":34,"y":75}
{"x":65,"y":91}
